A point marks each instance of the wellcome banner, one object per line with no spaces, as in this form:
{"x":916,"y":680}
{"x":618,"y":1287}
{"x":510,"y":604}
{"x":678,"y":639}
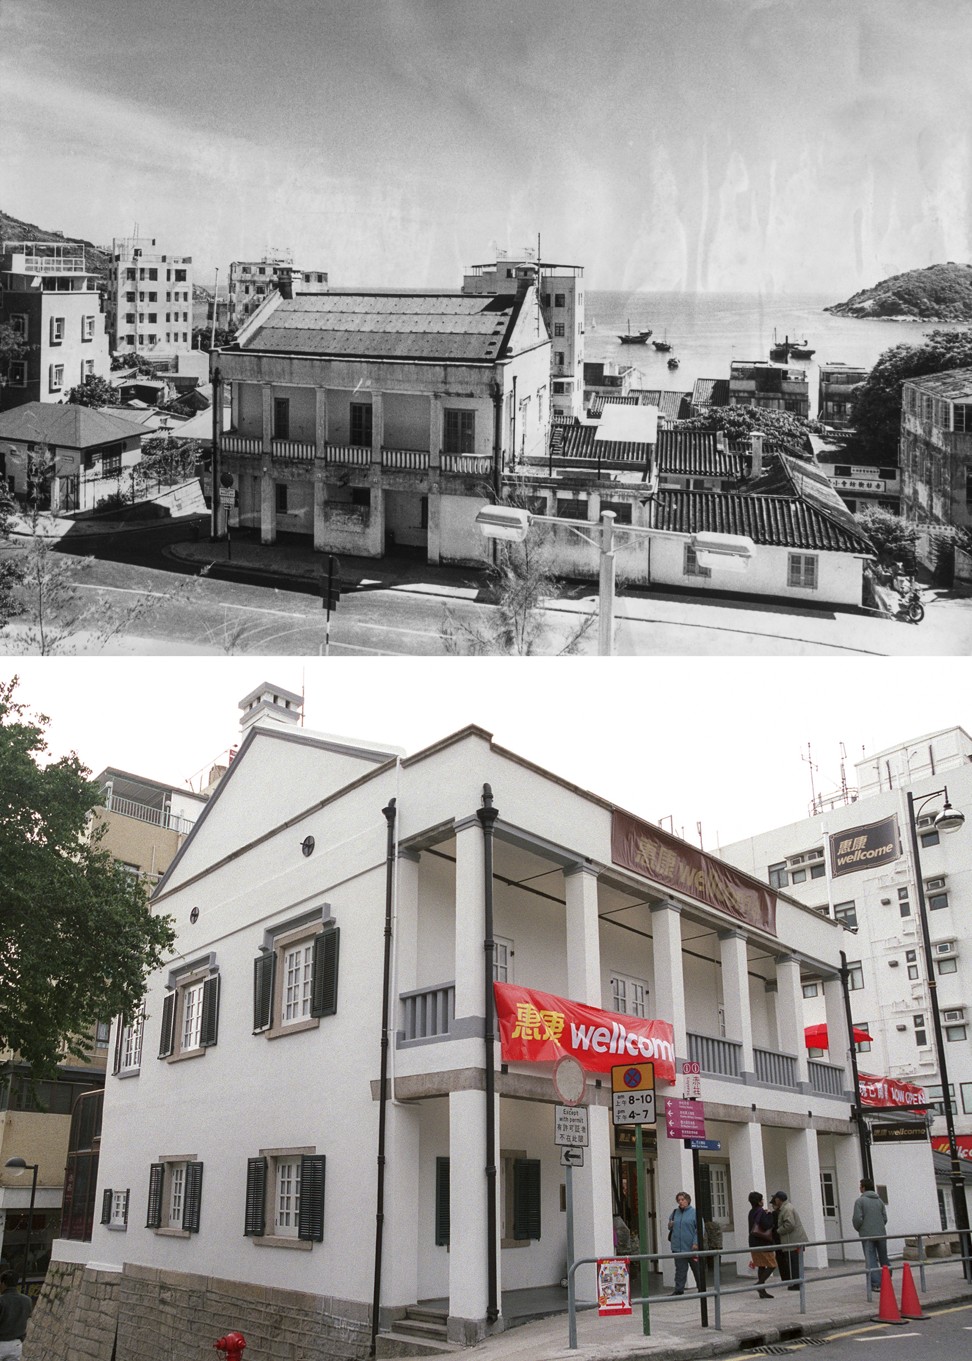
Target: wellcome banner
{"x":889,"y":1091}
{"x":537,"y":1027}
{"x":865,"y":847}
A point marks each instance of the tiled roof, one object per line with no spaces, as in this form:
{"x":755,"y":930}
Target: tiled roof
{"x":694,"y":453}
{"x":672,"y":406}
{"x":954,"y":383}
{"x":784,"y":521}
{"x":72,"y":427}
{"x":581,"y":442}
{"x":710,"y":392}
{"x":811,"y":484}
{"x":434,"y":326}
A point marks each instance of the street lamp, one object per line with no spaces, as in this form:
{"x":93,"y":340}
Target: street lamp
{"x":948,"y":820}
{"x":733,"y":551}
{"x":18,"y":1167}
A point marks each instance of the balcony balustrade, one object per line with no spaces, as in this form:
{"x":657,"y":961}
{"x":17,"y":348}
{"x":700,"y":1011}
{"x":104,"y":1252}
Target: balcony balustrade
{"x":427,"y":1012}
{"x":241,"y":444}
{"x":713,"y":1055}
{"x":142,"y":812}
{"x":476,"y":465}
{"x":357,"y":455}
{"x":408,"y":460}
{"x":826,"y":1078}
{"x":779,"y":1070}
{"x":295,"y":449}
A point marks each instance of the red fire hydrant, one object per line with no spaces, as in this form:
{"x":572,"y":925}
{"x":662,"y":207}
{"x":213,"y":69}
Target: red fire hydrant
{"x":232,"y":1344}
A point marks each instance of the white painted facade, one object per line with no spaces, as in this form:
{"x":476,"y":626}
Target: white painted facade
{"x":567,"y":919}
{"x":149,"y":298}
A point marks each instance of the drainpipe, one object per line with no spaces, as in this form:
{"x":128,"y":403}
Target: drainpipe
{"x":487,"y":816}
{"x":863,"y":1134}
{"x":496,"y":392}
{"x":214,"y":461}
{"x":389,"y":813}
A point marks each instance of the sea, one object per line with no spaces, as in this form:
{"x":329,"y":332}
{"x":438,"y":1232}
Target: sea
{"x":708,"y":330}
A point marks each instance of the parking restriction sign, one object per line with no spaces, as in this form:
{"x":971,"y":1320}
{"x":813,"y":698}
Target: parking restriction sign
{"x":633,"y":1094}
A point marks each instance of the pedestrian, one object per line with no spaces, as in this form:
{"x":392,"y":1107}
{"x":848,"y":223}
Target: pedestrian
{"x":14,"y":1312}
{"x":622,"y":1237}
{"x":869,"y":1219}
{"x":761,"y":1242}
{"x":789,"y":1232}
{"x":683,"y":1234}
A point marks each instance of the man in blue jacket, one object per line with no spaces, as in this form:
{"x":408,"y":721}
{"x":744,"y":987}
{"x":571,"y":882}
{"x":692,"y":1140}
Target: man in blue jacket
{"x":683,"y":1234}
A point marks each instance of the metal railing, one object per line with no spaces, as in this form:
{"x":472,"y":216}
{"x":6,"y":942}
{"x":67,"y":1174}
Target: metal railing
{"x":778,"y":1069}
{"x":718,"y":1291}
{"x":142,"y":812}
{"x":715,"y":1055}
{"x":427,"y":1012}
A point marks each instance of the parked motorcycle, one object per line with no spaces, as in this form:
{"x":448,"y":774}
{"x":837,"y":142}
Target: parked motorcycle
{"x":911,"y":607}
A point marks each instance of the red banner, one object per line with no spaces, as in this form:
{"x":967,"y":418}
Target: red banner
{"x":647,"y":850}
{"x":537,"y":1027}
{"x":963,"y":1142}
{"x":887,"y":1091}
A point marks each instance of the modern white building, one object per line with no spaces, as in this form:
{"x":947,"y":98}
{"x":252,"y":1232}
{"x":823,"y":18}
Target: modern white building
{"x":149,"y":298}
{"x":252,"y":281}
{"x":319,"y":1055}
{"x":875,"y":898}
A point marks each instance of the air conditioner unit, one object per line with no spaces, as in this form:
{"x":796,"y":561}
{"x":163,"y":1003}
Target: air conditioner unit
{"x":945,"y":947}
{"x":893,"y":963}
{"x":954,"y":1015}
{"x":901,"y":1027}
{"x":885,"y":902}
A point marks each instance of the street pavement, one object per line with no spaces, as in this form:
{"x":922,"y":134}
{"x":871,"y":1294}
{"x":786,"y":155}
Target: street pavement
{"x":832,"y":1302}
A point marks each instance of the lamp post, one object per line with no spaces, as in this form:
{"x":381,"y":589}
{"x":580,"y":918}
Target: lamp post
{"x":948,"y":820}
{"x":18,"y":1167}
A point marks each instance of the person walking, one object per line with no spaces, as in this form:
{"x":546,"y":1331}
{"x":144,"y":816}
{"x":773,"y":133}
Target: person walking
{"x":789,"y":1232}
{"x":761,"y":1242}
{"x":870,"y":1218}
{"x":14,"y":1312}
{"x":684,"y":1236}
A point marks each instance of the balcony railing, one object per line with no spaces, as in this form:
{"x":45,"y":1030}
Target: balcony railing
{"x":142,"y":812}
{"x":241,"y":444}
{"x":427,"y":1012}
{"x":477,"y":465}
{"x":715,"y":1055}
{"x":778,"y":1069}
{"x":289,"y":448}
{"x":410,"y":460}
{"x":826,"y":1078}
{"x":54,"y":264}
{"x":359,"y":455}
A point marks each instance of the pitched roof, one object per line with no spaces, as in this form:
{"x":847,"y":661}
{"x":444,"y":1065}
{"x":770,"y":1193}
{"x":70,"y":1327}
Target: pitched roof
{"x":581,"y":442}
{"x":430,"y":326}
{"x":710,"y":392}
{"x":952,"y":383}
{"x":72,"y":427}
{"x":696,"y":453}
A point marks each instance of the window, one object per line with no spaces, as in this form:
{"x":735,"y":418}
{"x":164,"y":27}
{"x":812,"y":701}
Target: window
{"x":459,"y":435}
{"x":690,"y":564}
{"x":802,"y":571}
{"x":281,"y":418}
{"x":190,"y":1012}
{"x":17,"y":373}
{"x":558,"y":328}
{"x":715,"y":1200}
{"x":629,"y":995}
{"x":921,"y":1034}
{"x":777,"y":875}
{"x":19,"y":324}
{"x":966,"y":1089}
{"x":87,"y":328}
{"x":904,"y":904}
{"x":862,"y":1046}
{"x":936,"y":1100}
{"x":57,"y":330}
{"x":280,"y":492}
{"x":361,"y":424}
{"x":828,"y":1193}
{"x":798,"y":876}
{"x":56,"y":377}
{"x":912,"y":972}
{"x":114,"y":1208}
{"x":302,"y":965}
{"x":846,"y":913}
{"x":928,"y":832}
{"x":560,"y":300}
{"x":175,"y":1196}
{"x":936,"y":895}
{"x":947,"y":966}
{"x":502,"y":960}
{"x":111,"y":461}
{"x":128,"y":1044}
{"x":559,"y":358}
{"x":102,"y":1034}
{"x":284,"y":1202}
{"x":442,"y":1224}
{"x":811,"y":989}
{"x":855,"y":975}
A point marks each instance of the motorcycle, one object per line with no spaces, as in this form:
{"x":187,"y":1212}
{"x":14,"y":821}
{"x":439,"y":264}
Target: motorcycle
{"x":910,"y":607}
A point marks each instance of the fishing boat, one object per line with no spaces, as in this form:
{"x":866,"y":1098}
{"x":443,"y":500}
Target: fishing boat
{"x":802,"y":351}
{"x":673,"y":362}
{"x":780,"y":349}
{"x":662,"y":345}
{"x":634,"y":337}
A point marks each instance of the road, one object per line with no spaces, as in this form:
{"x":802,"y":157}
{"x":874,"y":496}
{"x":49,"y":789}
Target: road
{"x":946,"y":1335}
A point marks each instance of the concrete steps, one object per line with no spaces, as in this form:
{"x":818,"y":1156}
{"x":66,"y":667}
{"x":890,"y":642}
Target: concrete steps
{"x":420,"y":1332}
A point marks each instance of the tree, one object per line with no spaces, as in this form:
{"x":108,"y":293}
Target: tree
{"x":893,"y":538}
{"x":876,"y":412}
{"x":11,"y":567}
{"x":202,"y":338}
{"x":782,"y":428}
{"x":78,"y":936}
{"x":94,"y":391}
{"x":168,"y":459}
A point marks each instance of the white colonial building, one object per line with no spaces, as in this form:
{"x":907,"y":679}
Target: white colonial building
{"x":318,"y":1057}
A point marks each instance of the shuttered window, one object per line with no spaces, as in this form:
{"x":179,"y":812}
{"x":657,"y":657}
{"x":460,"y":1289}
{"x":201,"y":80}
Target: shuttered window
{"x":167,"y":1039}
{"x":325,"y":981}
{"x":190,"y":1017}
{"x":193,"y":1197}
{"x":263,"y":971}
{"x":296,"y":982}
{"x":255,"y":1211}
{"x":442,"y":1202}
{"x":526,"y":1198}
{"x":106,"y":1198}
{"x":311,"y":1222}
{"x":153,"y":1218}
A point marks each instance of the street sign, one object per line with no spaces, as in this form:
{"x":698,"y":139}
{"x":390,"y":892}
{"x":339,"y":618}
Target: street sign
{"x":633,"y":1094}
{"x":690,"y":1068}
{"x":572,"y":1157}
{"x":704,"y":1145}
{"x":691,"y":1086}
{"x":227,"y":496}
{"x":569,"y":1080}
{"x":684,"y":1119}
{"x":571,"y":1126}
{"x":899,"y":1132}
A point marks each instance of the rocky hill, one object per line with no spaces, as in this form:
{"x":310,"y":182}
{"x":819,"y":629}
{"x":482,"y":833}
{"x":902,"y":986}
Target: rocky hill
{"x":12,"y":229}
{"x":938,"y":293}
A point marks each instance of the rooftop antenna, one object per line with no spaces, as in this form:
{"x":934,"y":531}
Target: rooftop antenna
{"x":212,"y":334}
{"x":698,"y":828}
{"x":844,"y":791}
{"x":813,"y":790}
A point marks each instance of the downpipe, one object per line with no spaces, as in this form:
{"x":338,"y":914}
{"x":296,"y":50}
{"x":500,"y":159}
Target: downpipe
{"x":487,"y":815}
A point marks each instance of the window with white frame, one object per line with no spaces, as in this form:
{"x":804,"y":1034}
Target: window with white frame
{"x":175,"y":1195}
{"x":502,"y":959}
{"x":629,"y":995}
{"x":128,"y":1043}
{"x":691,"y":567}
{"x":57,"y":330}
{"x":295,"y":976}
{"x":114,"y":1209}
{"x":828,"y":1193}
{"x":284,"y":1202}
{"x":936,"y":895}
{"x":855,"y":975}
{"x":811,"y":989}
{"x":87,"y":328}
{"x":715,"y":1194}
{"x":802,"y":571}
{"x":190,"y":1011}
{"x":56,"y":377}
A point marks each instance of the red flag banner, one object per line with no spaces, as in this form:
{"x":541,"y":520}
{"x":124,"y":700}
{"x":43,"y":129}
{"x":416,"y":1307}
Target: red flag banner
{"x":887,"y":1091}
{"x":963,"y":1142}
{"x":537,"y":1027}
{"x":647,"y":850}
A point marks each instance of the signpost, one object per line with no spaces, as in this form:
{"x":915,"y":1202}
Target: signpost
{"x":685,"y":1119}
{"x":572,"y":1135}
{"x":633,"y":1103}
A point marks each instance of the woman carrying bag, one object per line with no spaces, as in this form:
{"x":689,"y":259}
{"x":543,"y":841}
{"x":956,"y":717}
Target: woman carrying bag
{"x":761,"y":1242}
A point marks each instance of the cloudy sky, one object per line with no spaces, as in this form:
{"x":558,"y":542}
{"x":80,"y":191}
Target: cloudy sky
{"x":727,"y":745}
{"x":755,"y":145}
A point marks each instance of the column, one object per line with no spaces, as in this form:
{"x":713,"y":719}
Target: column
{"x":406,"y":921}
{"x":403,"y":1208}
{"x":838,"y":1040}
{"x":668,"y":990}
{"x":320,"y":426}
{"x":377,"y":427}
{"x":849,"y":1173}
{"x":434,"y":531}
{"x":267,"y":392}
{"x":803,"y":1171}
{"x":470,"y":926}
{"x":734,"y":955}
{"x":748,"y":1174}
{"x":268,"y":506}
{"x":435,"y":433}
{"x":789,"y":1016}
{"x":583,"y":939}
{"x":320,"y":507}
{"x":468,"y":1282}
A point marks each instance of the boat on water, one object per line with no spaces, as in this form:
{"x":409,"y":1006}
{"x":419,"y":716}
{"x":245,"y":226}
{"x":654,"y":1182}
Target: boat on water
{"x":802,"y":351}
{"x":634,"y":337}
{"x":673,"y":362}
{"x":662,"y":345}
{"x":781,"y":350}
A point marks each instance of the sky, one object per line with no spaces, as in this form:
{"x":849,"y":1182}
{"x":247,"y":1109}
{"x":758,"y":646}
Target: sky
{"x":715,"y":145}
{"x":727,"y":744}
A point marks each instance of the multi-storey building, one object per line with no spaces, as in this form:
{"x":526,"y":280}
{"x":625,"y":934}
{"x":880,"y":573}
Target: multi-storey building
{"x":876,"y":903}
{"x":284,"y":1063}
{"x":835,"y":392}
{"x":251,"y":281}
{"x":860,"y":484}
{"x":561,"y":292}
{"x":149,"y":298}
{"x":936,"y":448}
{"x":772,"y":387}
{"x":378,"y":421}
{"x":49,"y":297}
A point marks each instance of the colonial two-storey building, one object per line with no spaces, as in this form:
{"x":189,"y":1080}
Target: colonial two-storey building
{"x":936,"y":448}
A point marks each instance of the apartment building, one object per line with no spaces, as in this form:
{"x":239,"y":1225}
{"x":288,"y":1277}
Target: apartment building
{"x":771,"y":387}
{"x":49,"y":298}
{"x":324,"y":1014}
{"x":252,"y":281}
{"x":561,"y":292}
{"x":861,"y":484}
{"x":936,"y":448}
{"x":836,"y":386}
{"x":876,"y":903}
{"x":149,"y":299}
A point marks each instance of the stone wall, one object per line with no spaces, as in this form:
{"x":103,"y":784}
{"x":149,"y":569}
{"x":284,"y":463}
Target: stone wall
{"x":86,"y":1314}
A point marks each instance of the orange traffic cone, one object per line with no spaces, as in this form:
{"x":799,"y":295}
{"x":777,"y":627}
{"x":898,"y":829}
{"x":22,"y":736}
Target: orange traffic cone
{"x":888,"y":1308}
{"x":910,"y":1303}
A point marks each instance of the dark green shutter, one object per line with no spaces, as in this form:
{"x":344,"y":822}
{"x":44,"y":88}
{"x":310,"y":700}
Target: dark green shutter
{"x":119,"y":1042}
{"x":442,"y":1202}
{"x":125,"y":1216}
{"x":324,"y":982}
{"x":153,"y":1219}
{"x":106,"y":1206}
{"x":526,"y":1198}
{"x":263,"y":968}
{"x":255,"y":1211}
{"x":167,"y":1039}
{"x":310,"y":1223}
{"x":209,"y":1026}
{"x":193,"y":1201}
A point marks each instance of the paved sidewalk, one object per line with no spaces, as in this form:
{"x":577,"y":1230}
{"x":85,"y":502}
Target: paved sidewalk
{"x":747,"y":1321}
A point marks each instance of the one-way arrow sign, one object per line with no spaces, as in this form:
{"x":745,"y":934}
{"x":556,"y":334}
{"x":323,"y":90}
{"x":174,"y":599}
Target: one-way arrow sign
{"x":572,"y":1156}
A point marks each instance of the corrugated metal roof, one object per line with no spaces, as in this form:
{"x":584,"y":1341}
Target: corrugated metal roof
{"x":74,"y":427}
{"x":695,"y":453}
{"x":954,"y":383}
{"x":781,"y":521}
{"x":389,"y":325}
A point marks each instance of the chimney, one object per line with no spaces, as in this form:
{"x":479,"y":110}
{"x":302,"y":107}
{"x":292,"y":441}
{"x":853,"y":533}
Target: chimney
{"x":757,"y":442}
{"x":285,"y":282}
{"x":270,"y":706}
